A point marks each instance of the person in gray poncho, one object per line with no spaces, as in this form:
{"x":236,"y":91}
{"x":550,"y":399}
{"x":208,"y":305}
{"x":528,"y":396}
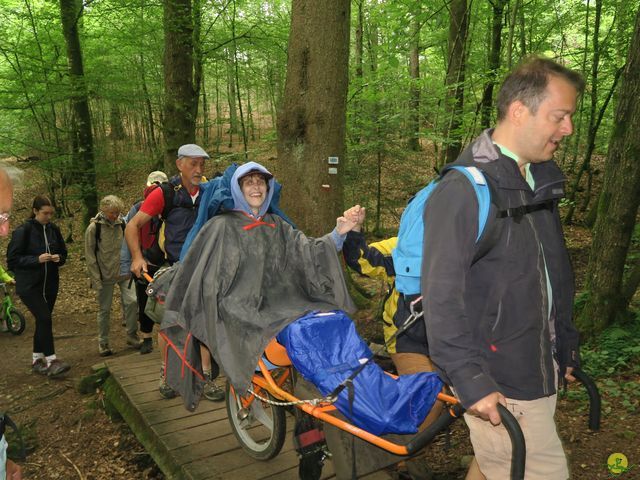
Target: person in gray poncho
{"x":246,"y":276}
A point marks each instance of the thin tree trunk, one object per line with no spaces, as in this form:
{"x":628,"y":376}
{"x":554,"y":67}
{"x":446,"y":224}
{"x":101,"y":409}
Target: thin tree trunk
{"x":454,"y":102}
{"x":493,"y":62}
{"x":414,"y":89}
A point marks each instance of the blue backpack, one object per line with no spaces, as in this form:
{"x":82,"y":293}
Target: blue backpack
{"x":407,"y":256}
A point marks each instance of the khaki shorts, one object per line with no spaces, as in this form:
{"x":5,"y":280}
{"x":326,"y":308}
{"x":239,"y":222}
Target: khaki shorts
{"x":545,"y":456}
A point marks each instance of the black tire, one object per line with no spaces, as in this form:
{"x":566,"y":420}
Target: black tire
{"x":15,"y":321}
{"x":262,"y":440}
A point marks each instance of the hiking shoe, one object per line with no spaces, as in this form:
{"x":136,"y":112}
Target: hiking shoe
{"x":39,"y":366}
{"x":146,"y":347}
{"x":165,"y":390}
{"x":57,"y":367}
{"x":212,"y":391}
{"x":104,"y":350}
{"x":3,"y":326}
{"x":133,"y":341}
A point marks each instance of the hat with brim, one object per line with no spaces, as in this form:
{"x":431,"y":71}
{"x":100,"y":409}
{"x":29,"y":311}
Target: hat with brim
{"x":156,"y":177}
{"x":192,"y":150}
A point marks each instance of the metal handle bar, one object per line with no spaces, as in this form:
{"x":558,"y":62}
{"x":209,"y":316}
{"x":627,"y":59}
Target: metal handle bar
{"x":518,"y":447}
{"x":594,"y":398}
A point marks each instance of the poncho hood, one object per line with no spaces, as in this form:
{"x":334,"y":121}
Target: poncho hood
{"x":240,"y":203}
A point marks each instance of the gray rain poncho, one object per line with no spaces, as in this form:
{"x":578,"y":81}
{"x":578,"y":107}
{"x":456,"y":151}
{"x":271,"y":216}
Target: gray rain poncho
{"x":242,"y":281}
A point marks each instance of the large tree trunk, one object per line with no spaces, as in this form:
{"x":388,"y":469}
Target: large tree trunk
{"x":179,"y":122}
{"x":454,"y":101}
{"x":312,"y":121}
{"x":618,"y":205}
{"x":70,"y":12}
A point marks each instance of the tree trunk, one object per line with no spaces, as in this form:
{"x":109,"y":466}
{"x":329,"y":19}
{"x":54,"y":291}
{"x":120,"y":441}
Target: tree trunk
{"x":618,"y":205}
{"x":414,"y":89}
{"x":493,"y":62}
{"x":179,"y":122}
{"x":70,"y":13}
{"x":593,"y":125}
{"x":454,"y":101}
{"x":312,"y":122}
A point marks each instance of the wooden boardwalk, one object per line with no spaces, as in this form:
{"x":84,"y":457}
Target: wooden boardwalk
{"x":185,"y":445}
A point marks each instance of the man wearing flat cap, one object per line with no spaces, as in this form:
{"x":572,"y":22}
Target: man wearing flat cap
{"x":178,"y":219}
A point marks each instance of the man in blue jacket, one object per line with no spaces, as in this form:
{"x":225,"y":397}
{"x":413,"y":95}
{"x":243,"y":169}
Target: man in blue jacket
{"x":498,"y":312}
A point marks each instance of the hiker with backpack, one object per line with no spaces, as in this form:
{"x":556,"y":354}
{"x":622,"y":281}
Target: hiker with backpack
{"x":152,"y":253}
{"x":35,"y":253}
{"x":103,"y":241}
{"x":498,"y":306}
{"x":176,"y":202}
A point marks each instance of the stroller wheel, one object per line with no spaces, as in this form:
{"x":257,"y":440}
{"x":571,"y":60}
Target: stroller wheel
{"x":260,"y":427}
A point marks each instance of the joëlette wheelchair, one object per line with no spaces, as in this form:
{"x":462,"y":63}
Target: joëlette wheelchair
{"x":258,"y":418}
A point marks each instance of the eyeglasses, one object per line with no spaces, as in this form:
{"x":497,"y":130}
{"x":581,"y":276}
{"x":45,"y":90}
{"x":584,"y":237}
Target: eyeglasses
{"x":4,"y":217}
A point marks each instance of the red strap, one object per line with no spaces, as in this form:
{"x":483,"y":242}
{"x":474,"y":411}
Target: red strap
{"x":257,"y":222}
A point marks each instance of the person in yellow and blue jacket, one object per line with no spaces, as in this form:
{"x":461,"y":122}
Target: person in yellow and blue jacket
{"x":409,"y":351}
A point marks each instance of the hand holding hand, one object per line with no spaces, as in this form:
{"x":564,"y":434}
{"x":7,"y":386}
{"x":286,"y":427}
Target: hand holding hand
{"x":356,"y":215}
{"x":344,"y":225}
{"x":44,"y":257}
{"x":487,"y":407}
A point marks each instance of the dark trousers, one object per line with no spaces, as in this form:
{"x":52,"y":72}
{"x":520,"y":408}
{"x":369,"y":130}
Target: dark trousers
{"x":146,"y":324}
{"x":41,"y":307}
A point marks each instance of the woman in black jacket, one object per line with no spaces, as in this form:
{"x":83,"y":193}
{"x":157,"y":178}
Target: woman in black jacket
{"x":35,"y":253}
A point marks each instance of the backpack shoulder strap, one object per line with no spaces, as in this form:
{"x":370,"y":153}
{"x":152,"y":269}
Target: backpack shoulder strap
{"x":482,"y":191}
{"x":168,"y":191}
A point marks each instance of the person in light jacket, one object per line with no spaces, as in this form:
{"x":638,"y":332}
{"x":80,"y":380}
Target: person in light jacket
{"x":103,"y":241}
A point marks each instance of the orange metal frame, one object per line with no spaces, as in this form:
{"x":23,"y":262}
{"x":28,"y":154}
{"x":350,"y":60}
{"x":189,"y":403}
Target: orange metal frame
{"x":265,"y":381}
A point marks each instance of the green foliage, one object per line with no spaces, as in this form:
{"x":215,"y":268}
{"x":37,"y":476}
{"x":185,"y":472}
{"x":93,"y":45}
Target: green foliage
{"x":615,"y":351}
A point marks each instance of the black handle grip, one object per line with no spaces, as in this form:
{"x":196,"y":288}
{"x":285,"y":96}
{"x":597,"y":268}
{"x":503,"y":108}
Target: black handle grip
{"x":423,"y":438}
{"x":594,"y":398}
{"x":518,"y":446}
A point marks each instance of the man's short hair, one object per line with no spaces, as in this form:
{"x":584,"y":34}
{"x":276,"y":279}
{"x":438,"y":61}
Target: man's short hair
{"x":528,"y":83}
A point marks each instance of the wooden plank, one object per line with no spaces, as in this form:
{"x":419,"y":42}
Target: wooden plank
{"x":259,"y":470}
{"x":227,"y":463}
{"x":188,"y":422}
{"x":196,"y":434}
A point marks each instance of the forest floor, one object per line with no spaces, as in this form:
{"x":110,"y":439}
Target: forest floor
{"x":69,"y":435}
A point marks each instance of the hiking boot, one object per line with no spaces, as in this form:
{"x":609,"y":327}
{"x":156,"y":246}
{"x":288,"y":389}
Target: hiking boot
{"x":133,"y":341}
{"x":146,"y":347}
{"x":57,"y":367}
{"x":39,"y":366}
{"x":212,"y":391}
{"x":165,"y":390}
{"x":3,"y":326}
{"x":104,"y":350}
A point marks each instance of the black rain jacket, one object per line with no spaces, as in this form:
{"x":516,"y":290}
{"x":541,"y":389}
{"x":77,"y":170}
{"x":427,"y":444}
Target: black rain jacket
{"x":486,"y":306}
{"x":28,"y":242}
